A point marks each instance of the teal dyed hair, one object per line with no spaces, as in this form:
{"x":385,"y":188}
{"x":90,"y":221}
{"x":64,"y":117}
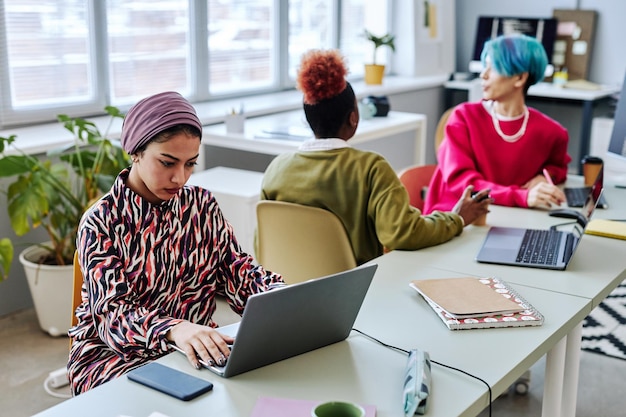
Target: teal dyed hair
{"x":515,"y":54}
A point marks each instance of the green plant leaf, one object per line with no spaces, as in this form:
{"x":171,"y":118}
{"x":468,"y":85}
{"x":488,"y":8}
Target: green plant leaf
{"x":15,"y":165}
{"x":378,"y":41}
{"x":114,"y":111}
{"x":53,"y":191}
{"x":6,"y":257}
{"x":6,"y":141}
{"x":27,"y":201}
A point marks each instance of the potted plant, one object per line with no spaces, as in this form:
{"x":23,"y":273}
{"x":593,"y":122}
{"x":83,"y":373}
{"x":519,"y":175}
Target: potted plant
{"x":374,"y":72}
{"x":53,"y":192}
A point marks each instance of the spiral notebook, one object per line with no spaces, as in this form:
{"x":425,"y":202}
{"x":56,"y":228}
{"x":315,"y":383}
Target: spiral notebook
{"x":477,"y":303}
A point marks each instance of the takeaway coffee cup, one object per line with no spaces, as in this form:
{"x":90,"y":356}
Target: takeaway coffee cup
{"x":481,"y":221}
{"x":338,"y":409}
{"x":591,"y":168}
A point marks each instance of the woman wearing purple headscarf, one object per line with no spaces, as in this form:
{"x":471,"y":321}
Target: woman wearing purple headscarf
{"x":154,"y":253}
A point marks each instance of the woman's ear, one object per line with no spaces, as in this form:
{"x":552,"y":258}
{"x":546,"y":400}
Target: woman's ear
{"x":354,"y":117}
{"x":521,"y":79}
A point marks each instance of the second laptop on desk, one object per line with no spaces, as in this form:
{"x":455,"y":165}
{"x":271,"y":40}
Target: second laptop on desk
{"x":547,"y":249}
{"x":576,"y":197}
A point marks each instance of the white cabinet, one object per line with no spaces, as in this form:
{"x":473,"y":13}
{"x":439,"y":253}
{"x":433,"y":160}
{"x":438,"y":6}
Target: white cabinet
{"x":237,"y":192}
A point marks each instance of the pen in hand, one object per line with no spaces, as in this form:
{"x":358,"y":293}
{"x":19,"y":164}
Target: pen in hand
{"x":546,"y":174}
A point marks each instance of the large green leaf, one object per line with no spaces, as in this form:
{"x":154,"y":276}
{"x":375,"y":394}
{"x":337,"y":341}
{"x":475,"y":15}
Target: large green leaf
{"x":28,"y":203}
{"x":53,"y":191}
{"x":15,"y":164}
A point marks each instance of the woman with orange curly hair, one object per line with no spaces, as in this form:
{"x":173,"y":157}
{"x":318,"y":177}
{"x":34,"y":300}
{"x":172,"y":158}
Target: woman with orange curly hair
{"x":360,"y":187}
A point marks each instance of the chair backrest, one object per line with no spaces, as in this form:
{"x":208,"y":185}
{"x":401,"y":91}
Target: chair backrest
{"x":301,"y":242}
{"x":416,"y":179}
{"x":78,"y":284}
{"x":441,"y":128}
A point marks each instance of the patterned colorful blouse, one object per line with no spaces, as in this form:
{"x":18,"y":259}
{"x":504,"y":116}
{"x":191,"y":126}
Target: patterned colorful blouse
{"x":146,"y":268}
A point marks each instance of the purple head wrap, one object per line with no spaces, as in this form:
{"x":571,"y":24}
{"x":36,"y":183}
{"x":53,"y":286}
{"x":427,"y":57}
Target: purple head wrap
{"x":153,"y":115}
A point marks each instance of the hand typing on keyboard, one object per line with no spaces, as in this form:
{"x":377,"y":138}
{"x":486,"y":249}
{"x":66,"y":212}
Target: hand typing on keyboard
{"x":200,"y":343}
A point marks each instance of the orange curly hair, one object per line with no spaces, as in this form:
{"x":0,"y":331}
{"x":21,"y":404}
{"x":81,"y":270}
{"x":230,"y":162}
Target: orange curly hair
{"x":321,"y":75}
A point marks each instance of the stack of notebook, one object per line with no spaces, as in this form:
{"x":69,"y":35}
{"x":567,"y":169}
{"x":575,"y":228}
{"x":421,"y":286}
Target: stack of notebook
{"x":475,"y":303}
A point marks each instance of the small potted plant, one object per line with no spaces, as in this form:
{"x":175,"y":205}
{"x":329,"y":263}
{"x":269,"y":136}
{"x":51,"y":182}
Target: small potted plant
{"x":53,"y":192}
{"x":374,"y":72}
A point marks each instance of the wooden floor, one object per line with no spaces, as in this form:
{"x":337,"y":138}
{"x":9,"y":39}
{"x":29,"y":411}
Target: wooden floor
{"x":28,"y":355}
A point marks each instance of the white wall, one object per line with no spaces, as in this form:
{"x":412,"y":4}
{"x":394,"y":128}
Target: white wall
{"x":422,"y":54}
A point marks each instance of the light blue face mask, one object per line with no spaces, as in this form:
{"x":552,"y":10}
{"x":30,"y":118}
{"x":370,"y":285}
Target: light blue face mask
{"x":416,"y":383}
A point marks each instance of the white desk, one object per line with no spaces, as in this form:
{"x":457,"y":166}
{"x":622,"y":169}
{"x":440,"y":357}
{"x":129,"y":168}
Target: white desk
{"x":548,"y":90}
{"x":596,"y":269}
{"x":367,"y":131}
{"x":362,"y":371}
{"x":359,"y":369}
{"x":545,"y":90}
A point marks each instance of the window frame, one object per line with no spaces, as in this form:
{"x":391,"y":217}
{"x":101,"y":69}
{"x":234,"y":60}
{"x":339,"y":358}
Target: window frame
{"x":199,"y":63}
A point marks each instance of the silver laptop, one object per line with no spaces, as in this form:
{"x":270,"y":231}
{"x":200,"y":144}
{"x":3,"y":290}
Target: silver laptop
{"x":537,"y":248}
{"x":295,"y":319}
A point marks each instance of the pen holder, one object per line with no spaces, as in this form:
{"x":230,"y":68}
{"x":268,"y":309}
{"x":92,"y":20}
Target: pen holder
{"x":234,"y":123}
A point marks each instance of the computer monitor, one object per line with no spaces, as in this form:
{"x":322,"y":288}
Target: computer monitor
{"x":490,"y":27}
{"x":616,"y":154}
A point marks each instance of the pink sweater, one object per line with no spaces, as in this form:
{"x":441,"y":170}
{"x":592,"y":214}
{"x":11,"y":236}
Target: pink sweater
{"x":473,"y":153}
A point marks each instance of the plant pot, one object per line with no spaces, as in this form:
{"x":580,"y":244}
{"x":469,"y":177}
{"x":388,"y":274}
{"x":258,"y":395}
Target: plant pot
{"x":51,"y":289}
{"x":374,"y":73}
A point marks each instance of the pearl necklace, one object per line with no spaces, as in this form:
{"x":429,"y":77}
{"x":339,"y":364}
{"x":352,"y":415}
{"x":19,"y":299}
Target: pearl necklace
{"x":509,"y":138}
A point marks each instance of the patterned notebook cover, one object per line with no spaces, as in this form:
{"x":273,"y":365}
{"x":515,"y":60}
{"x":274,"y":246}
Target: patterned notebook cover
{"x":529,"y":316}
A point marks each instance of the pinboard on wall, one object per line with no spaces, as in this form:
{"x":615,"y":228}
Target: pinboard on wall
{"x":574,"y":41}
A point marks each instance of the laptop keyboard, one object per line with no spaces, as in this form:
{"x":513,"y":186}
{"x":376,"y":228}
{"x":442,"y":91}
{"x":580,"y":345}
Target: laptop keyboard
{"x":577,"y":196}
{"x":539,"y":247}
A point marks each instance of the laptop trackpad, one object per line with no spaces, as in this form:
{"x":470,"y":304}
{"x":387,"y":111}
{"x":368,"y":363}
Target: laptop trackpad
{"x":501,"y":245}
{"x":504,"y":238}
{"x":229,"y":330}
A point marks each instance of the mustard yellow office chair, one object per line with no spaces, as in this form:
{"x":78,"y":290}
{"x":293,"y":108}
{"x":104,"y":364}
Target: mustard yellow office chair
{"x":441,"y":128}
{"x":78,"y":285}
{"x":76,"y":289}
{"x":301,"y":242}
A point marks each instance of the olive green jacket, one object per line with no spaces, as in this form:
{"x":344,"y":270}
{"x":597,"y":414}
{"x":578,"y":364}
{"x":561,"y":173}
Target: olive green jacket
{"x":363,"y":190}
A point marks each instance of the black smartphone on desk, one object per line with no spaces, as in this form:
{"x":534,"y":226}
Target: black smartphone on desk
{"x":170,"y":381}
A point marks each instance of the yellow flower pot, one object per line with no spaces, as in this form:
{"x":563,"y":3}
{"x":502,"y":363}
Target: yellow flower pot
{"x":374,"y":73}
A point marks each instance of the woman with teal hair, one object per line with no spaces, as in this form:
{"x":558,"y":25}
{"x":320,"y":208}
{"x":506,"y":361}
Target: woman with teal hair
{"x":499,"y":143}
{"x":512,"y":55}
